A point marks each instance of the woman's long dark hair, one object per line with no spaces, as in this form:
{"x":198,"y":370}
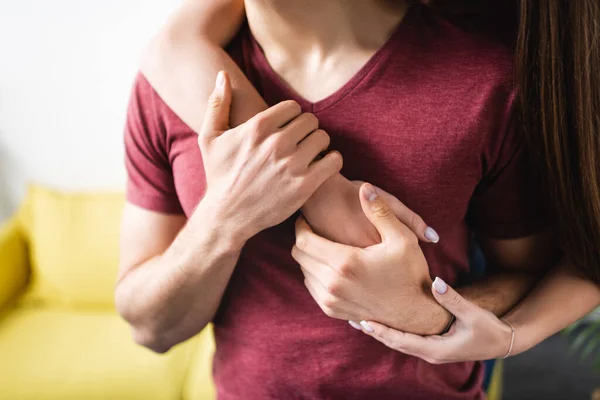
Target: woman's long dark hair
{"x":558,"y":72}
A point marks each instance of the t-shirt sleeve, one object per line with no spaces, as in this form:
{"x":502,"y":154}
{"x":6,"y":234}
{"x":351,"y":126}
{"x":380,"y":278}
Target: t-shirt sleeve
{"x":150,"y":183}
{"x":508,"y":202}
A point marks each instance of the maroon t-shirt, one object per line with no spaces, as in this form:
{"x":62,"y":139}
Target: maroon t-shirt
{"x":430,"y":119}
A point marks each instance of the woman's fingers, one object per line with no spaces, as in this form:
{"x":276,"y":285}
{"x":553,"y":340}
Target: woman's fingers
{"x":410,"y":218}
{"x":457,"y":305}
{"x":413,"y":345}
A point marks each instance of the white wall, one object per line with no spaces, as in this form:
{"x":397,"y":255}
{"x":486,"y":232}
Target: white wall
{"x":66,"y":68}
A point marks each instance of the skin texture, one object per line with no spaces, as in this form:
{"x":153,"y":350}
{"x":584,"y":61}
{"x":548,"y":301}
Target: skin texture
{"x":202,"y":256}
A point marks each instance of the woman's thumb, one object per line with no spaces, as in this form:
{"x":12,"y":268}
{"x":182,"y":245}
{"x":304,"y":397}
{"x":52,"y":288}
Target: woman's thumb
{"x":380,"y":214}
{"x":451,"y":300}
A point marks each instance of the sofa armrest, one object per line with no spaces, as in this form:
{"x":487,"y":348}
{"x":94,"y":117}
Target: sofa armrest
{"x":14,"y":261}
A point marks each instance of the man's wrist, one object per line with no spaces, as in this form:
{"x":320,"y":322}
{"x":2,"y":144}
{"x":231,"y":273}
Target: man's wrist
{"x":441,"y":319}
{"x":213,"y":217}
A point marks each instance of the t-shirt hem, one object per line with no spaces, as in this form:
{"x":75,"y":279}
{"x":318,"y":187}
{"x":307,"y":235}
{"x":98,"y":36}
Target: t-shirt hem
{"x":153,"y":203}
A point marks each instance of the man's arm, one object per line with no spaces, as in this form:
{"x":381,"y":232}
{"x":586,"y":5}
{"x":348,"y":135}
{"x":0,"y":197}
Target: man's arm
{"x":515,"y":266}
{"x":172,"y":274}
{"x":561,"y":298}
{"x":171,"y":280}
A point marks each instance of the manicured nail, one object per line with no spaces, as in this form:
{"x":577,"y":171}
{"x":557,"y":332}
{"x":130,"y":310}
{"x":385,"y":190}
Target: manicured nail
{"x":440,"y":286}
{"x":369,"y":192}
{"x":366,"y":326}
{"x":355,"y":325}
{"x":432,"y":235}
{"x":220,"y":79}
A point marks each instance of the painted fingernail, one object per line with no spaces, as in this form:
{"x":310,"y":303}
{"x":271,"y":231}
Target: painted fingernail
{"x":220,"y":79}
{"x":440,"y":286}
{"x":369,"y":192}
{"x":355,"y":325}
{"x":366,"y":326}
{"x":432,"y":235}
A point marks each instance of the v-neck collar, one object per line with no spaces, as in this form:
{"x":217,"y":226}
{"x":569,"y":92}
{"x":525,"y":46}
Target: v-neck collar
{"x":268,"y":74}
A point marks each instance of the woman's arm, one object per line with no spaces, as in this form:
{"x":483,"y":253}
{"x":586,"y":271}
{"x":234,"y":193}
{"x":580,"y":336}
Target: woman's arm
{"x":560,"y":299}
{"x":181,"y":64}
{"x":183,"y":59}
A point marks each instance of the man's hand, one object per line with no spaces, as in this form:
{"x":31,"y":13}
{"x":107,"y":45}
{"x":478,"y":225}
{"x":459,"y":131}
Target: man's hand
{"x":386,"y":282}
{"x":261,"y":172}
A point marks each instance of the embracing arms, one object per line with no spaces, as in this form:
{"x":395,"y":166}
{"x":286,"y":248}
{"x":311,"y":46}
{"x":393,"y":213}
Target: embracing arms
{"x":173,"y":275}
{"x":181,"y":63}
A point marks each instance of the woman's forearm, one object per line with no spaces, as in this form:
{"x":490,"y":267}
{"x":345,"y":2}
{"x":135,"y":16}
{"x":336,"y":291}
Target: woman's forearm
{"x":561,"y":298}
{"x":182,"y":61}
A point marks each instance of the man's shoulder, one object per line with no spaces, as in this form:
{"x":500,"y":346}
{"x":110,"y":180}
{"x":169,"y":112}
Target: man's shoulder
{"x":147,"y":106}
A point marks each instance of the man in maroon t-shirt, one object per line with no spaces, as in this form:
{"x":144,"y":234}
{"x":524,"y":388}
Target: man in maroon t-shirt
{"x":419,"y":105}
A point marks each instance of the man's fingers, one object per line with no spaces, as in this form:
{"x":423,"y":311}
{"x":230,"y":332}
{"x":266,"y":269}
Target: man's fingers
{"x":216,"y":119}
{"x":448,"y":298}
{"x":300,"y":127}
{"x":314,"y":268}
{"x":409,"y":218}
{"x":277,"y":116}
{"x":321,"y":249}
{"x":312,"y":146}
{"x":380,"y":214}
{"x":323,"y":169}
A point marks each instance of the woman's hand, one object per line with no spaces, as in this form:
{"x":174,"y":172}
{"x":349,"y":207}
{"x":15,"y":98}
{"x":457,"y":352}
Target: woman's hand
{"x":387,"y":282}
{"x":334,"y":211}
{"x":476,"y":334}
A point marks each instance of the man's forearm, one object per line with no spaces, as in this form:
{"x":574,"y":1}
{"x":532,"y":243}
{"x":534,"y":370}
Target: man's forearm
{"x":498,"y":293}
{"x":173,"y":296}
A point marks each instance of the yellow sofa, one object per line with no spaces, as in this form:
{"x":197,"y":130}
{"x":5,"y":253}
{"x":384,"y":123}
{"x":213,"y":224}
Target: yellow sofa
{"x":60,"y":336}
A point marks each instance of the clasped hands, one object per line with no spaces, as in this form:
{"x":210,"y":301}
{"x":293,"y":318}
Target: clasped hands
{"x":388,"y":281}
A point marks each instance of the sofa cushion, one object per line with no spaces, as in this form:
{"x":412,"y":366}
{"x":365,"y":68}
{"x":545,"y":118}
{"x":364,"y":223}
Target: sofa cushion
{"x":66,"y":355}
{"x":199,"y":384}
{"x":74,"y":244}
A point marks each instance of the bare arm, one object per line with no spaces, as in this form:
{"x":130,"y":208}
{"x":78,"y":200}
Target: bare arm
{"x":183,"y":60}
{"x":514,"y":267}
{"x":560,"y":299}
{"x":181,"y":64}
{"x":172,"y":279}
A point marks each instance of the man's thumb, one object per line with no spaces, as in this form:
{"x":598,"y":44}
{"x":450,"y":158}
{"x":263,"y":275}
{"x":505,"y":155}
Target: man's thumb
{"x":216,"y":120}
{"x":380,"y":214}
